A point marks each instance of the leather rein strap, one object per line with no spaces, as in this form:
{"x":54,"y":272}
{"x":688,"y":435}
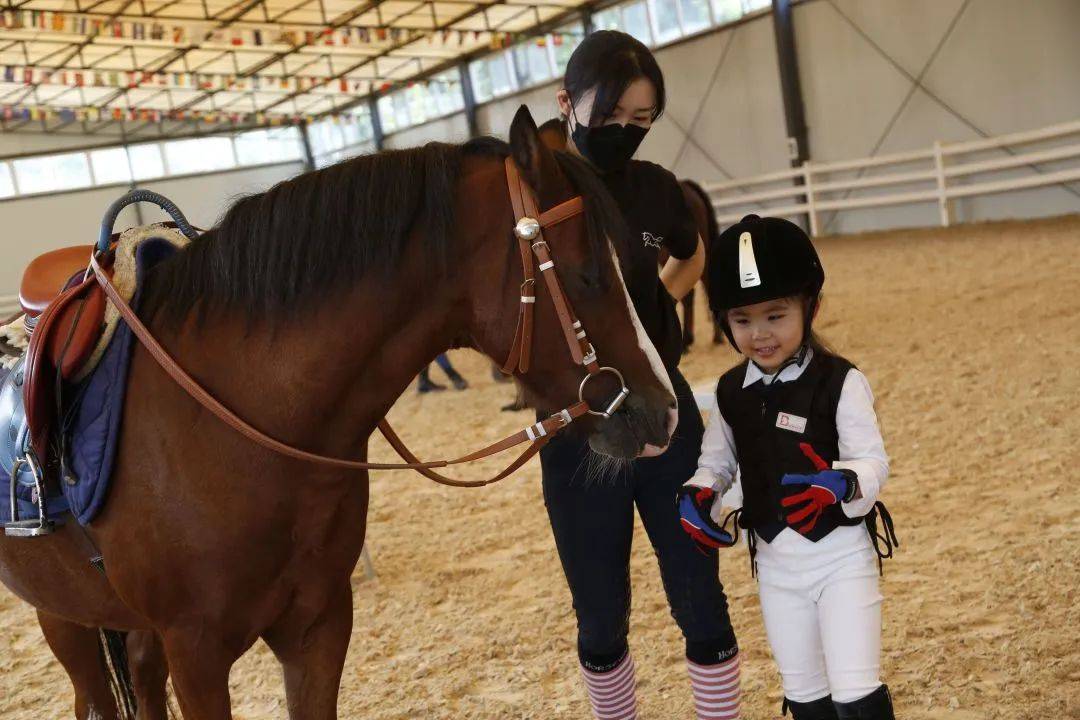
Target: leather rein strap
{"x":537,"y":435}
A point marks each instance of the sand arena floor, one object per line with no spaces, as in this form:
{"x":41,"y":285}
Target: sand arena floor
{"x":971,"y":340}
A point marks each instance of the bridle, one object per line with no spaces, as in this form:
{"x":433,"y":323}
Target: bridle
{"x":529,"y":227}
{"x":531,"y":243}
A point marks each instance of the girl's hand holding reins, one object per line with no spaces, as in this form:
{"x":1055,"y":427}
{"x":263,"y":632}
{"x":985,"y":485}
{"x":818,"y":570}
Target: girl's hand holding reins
{"x":695,"y":515}
{"x":824,"y":488}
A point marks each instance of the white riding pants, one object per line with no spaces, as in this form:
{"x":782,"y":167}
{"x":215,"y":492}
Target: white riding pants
{"x":822,"y":611}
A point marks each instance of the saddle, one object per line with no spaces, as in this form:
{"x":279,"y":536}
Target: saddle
{"x":66,"y":311}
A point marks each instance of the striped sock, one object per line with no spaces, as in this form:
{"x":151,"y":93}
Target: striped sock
{"x":611,"y":693}
{"x":716,"y":689}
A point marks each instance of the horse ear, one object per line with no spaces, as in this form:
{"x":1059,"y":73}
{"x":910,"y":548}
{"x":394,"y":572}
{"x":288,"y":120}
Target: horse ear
{"x":530,"y":154}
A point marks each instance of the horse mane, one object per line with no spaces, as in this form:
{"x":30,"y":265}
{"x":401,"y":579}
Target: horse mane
{"x":275,"y":253}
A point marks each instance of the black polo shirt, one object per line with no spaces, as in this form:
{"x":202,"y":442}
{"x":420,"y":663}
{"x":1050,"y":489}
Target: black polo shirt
{"x":655,"y":210}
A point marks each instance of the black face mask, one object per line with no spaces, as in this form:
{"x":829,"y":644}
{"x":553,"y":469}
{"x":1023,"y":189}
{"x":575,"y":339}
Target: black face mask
{"x":608,"y":147}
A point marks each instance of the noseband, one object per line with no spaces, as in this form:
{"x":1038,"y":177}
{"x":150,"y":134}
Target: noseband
{"x":529,"y":232}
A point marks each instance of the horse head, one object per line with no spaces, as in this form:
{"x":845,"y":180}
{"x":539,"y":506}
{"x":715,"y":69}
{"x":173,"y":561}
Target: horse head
{"x":583,"y":251}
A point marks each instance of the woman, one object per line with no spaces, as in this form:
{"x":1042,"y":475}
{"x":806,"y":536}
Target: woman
{"x":612,"y":93}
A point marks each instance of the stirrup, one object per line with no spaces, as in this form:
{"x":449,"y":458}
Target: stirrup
{"x":32,"y":527}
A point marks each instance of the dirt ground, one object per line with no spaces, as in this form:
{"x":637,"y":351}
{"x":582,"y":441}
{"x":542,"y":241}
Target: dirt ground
{"x":971,"y":340}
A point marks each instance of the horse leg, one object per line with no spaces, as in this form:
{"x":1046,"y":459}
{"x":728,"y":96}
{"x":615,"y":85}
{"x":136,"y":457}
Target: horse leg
{"x":149,"y":671}
{"x":311,"y":646}
{"x":199,"y":665}
{"x":78,"y":649}
{"x":688,"y":321}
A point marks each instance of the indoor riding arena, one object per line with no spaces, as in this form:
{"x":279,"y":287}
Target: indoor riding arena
{"x":930,"y":149}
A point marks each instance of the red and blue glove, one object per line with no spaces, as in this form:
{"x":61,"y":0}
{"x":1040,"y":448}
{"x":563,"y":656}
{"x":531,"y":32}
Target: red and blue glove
{"x":824,"y":488}
{"x":695,"y":505}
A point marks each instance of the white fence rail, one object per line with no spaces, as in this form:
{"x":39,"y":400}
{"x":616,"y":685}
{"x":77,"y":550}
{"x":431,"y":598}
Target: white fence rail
{"x":936,"y":174}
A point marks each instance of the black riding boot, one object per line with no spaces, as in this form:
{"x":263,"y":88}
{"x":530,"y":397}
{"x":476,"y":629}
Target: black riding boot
{"x":875,"y":706}
{"x":820,"y":709}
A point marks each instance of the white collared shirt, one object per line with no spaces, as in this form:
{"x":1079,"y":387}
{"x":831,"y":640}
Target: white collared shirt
{"x":861,"y":448}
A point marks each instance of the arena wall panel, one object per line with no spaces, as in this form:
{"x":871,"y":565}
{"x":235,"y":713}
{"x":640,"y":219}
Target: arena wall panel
{"x":33,"y":225}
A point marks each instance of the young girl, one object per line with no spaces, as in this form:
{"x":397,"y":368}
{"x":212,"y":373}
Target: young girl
{"x":798,"y":423}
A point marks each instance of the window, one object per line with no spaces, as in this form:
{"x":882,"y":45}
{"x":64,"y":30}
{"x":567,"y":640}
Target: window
{"x":199,"y":155}
{"x":325,"y":136}
{"x":357,"y":128}
{"x":636,"y":21}
{"x":564,"y":42}
{"x":401,"y":110}
{"x":695,"y":15}
{"x":416,"y":105}
{"x":267,"y":146}
{"x":492,"y":77}
{"x":7,"y":183}
{"x":531,"y":64}
{"x":610,"y":19}
{"x":385,"y":106}
{"x":481,"y":80}
{"x":500,"y":67}
{"x":665,"y":17}
{"x":146,"y":161}
{"x":110,"y":166}
{"x":53,"y":172}
{"x":750,"y":6}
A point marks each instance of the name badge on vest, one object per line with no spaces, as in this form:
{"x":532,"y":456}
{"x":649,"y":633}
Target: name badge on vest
{"x":794,"y":423}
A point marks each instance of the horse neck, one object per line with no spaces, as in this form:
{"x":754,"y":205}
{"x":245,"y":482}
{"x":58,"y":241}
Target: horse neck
{"x":323,"y":380}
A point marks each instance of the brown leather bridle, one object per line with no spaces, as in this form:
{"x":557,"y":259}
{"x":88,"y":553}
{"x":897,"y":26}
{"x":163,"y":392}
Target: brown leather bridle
{"x":529,"y":233}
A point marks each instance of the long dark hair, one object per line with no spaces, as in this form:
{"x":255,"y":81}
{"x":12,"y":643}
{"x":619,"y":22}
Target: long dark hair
{"x":273,"y":254}
{"x":609,"y":60}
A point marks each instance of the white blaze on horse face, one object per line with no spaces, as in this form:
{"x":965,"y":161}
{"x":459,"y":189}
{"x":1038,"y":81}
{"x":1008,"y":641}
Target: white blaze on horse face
{"x":644,"y":342}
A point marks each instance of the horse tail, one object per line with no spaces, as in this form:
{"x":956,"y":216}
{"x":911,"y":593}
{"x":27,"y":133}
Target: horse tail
{"x":114,"y":656}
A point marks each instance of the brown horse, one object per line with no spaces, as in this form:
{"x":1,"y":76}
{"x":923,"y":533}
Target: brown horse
{"x":308,"y":310}
{"x":700,"y":206}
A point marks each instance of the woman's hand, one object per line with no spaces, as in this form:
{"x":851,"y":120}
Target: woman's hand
{"x":680,"y":276}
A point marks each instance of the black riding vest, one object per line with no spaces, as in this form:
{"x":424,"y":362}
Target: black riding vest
{"x":768,"y":423}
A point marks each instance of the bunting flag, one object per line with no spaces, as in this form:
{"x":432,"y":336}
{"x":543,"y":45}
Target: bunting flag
{"x":81,"y":114}
{"x":351,"y":87}
{"x":207,"y":34}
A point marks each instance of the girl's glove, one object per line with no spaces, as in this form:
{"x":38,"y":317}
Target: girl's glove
{"x":820,"y":490}
{"x":695,"y":515}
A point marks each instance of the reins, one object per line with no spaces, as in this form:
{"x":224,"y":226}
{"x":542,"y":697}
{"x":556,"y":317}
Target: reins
{"x":529,"y":232}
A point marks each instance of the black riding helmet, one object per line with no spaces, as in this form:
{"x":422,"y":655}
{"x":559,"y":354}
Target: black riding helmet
{"x":761,"y":259}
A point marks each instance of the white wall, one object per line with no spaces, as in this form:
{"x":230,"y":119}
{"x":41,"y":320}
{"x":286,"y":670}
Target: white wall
{"x":894,"y":75}
{"x":996,"y":67}
{"x":452,"y":129}
{"x":32,"y":225}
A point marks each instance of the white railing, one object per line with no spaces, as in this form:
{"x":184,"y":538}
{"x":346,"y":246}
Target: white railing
{"x":930,"y":175}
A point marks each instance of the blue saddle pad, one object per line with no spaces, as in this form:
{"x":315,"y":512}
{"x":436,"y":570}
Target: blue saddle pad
{"x":93,"y":427}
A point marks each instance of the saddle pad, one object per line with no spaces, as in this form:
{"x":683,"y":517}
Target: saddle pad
{"x":94,"y":420}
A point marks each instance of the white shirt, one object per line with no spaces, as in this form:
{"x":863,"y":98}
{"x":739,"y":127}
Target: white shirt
{"x":860,"y":446}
